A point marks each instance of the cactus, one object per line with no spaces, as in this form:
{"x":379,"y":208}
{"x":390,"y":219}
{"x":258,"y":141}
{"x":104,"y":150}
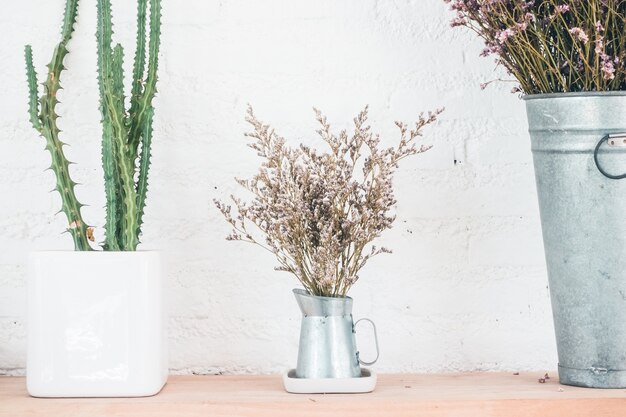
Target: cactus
{"x":126,"y":131}
{"x":44,"y":119}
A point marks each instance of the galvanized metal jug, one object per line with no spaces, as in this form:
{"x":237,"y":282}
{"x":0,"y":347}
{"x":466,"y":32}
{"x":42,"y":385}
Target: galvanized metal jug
{"x":327,"y":342}
{"x":578,"y":157}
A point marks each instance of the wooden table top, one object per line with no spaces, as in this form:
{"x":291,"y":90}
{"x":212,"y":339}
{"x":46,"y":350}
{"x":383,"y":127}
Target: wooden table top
{"x":397,"y":395}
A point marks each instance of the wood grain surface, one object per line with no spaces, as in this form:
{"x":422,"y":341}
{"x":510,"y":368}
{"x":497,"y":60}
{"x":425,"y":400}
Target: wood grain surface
{"x":457,"y":395}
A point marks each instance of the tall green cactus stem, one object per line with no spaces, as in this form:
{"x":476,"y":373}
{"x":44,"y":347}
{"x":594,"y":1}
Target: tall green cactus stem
{"x":33,"y":90}
{"x":44,"y":119}
{"x":139,"y":65}
{"x":124,"y":132}
{"x":142,"y":183}
{"x":112,"y":179}
{"x":145,"y":111}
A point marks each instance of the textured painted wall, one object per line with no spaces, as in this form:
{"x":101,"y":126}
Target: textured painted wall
{"x":465,"y":288}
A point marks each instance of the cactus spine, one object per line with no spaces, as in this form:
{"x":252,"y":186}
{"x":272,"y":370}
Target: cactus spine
{"x":126,"y":131}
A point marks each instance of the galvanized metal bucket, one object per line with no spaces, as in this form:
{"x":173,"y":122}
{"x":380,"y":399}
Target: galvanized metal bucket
{"x":327,"y":343}
{"x":579,"y":156}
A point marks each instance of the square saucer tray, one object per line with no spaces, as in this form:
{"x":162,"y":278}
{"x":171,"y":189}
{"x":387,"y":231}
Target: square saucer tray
{"x":365,"y":383}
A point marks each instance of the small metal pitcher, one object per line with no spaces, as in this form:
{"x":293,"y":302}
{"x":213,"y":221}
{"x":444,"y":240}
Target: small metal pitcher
{"x":327,"y":342}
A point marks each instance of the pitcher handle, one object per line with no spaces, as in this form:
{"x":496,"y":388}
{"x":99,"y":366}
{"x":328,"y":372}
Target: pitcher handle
{"x":614,"y":140}
{"x":362,"y":362}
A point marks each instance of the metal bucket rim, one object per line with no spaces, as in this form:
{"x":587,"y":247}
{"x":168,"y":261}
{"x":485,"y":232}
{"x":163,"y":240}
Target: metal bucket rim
{"x":619,"y":93}
{"x":300,"y":291}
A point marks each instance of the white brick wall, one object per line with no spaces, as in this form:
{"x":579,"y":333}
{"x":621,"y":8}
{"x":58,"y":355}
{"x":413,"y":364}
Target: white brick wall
{"x":465,"y":288}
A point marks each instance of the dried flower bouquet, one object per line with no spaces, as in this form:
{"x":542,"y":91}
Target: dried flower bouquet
{"x":319,"y":212}
{"x":552,"y":46}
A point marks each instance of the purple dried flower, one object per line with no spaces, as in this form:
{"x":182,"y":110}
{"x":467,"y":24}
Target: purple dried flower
{"x":599,"y":45}
{"x":608,"y":69}
{"x":459,"y":20}
{"x":579,"y":34}
{"x":319,"y":212}
{"x":505,"y":34}
{"x":544,"y":44}
{"x":599,"y":27}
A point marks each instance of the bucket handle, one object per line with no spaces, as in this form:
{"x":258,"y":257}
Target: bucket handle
{"x":613,"y":139}
{"x":362,"y":362}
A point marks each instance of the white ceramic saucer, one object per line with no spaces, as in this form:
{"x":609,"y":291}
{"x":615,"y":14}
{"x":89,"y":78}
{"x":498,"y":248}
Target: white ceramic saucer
{"x":365,"y":383}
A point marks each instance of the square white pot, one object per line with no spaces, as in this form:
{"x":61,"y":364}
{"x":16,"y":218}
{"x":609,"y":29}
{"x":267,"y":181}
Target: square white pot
{"x":96,"y":325}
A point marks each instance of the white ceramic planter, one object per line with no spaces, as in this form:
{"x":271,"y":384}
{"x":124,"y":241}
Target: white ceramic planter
{"x":96,"y":325}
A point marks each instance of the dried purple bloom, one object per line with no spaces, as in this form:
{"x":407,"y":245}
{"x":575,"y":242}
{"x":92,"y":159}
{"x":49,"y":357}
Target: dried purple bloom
{"x":562,"y":8}
{"x":599,"y":27}
{"x":579,"y":34}
{"x":460,"y":20}
{"x":599,"y":45}
{"x":503,"y":35}
{"x":544,"y":44}
{"x":520,"y":27}
{"x":319,"y":212}
{"x":608,"y":69}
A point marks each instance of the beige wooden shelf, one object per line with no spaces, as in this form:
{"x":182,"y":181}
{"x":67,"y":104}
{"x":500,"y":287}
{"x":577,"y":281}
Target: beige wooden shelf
{"x":471,"y":395}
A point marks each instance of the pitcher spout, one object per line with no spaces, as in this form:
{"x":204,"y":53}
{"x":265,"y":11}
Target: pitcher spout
{"x":317,"y":306}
